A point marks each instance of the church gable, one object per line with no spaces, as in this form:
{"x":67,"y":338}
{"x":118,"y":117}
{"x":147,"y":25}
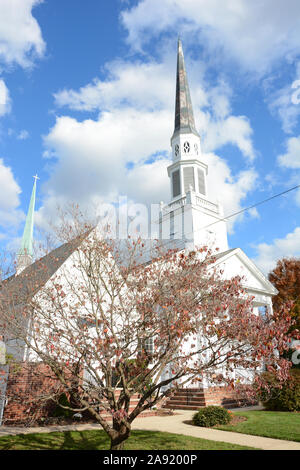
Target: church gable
{"x":35,"y":276}
{"x":236,"y":263}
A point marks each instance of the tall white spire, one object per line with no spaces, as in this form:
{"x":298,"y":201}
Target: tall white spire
{"x":184,"y":115}
{"x":187,"y":217}
{"x":187,"y":171}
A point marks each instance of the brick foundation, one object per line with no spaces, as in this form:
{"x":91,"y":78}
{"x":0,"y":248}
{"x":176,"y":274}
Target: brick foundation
{"x":223,"y":396}
{"x":26,"y":382}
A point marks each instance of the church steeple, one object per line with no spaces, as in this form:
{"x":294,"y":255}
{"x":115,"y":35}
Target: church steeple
{"x":25,"y":254}
{"x":190,"y":210}
{"x":184,"y":116}
{"x":187,"y":171}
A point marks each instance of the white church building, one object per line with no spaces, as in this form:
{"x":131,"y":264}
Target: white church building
{"x":191,"y":219}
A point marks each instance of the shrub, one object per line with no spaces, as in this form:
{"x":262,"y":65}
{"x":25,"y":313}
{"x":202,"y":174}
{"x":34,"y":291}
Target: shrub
{"x":211,"y":415}
{"x":286,"y":398}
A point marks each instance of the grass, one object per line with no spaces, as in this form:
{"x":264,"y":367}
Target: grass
{"x":275,"y":424}
{"x":97,"y":440}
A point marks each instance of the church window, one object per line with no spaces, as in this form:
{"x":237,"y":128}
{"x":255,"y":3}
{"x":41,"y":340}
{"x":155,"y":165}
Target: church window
{"x":146,"y":345}
{"x":186,"y":147}
{"x":149,"y":345}
{"x":196,"y":148}
{"x":188,"y":177}
{"x":176,"y":150}
{"x":201,"y":181}
{"x":176,"y":183}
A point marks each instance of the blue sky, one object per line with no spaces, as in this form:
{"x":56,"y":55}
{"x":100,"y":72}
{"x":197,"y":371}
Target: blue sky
{"x":87,"y":94}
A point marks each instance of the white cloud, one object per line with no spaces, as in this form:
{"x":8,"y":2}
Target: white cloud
{"x":291,"y":159}
{"x":20,"y":35}
{"x":285,"y":102}
{"x":235,"y":130}
{"x":230,"y":189}
{"x":9,"y":194}
{"x":142,"y":85}
{"x":92,"y":157}
{"x":23,"y":135}
{"x":9,"y":198}
{"x":256,"y":34}
{"x":5,"y":101}
{"x":98,"y":159}
{"x":269,"y":254}
{"x":151,"y":87}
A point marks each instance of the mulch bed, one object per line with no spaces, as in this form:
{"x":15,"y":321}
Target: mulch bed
{"x":237,"y":419}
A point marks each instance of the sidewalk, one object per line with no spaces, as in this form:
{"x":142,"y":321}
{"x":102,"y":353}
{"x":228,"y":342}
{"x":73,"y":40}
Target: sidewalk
{"x":172,"y":424}
{"x":175,"y":424}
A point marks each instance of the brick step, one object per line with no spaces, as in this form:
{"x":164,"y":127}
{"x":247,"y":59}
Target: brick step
{"x":188,"y":395}
{"x":192,"y":401}
{"x":195,"y":389}
{"x":186,"y":402}
{"x":187,"y":399}
{"x":183,"y":407}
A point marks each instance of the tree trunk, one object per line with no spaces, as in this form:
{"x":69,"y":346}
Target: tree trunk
{"x":121,"y":435}
{"x":115,"y":444}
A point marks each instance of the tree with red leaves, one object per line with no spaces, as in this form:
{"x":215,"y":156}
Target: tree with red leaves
{"x":109,"y":327}
{"x":286,"y":278}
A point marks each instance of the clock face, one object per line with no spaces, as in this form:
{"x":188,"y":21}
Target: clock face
{"x":176,"y":150}
{"x":186,"y":147}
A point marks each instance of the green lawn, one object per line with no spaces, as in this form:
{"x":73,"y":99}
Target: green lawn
{"x":276,"y":424}
{"x":97,"y":440}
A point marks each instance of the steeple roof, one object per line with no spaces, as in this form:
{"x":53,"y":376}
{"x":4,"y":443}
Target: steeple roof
{"x":184,"y":116}
{"x":27,"y":239}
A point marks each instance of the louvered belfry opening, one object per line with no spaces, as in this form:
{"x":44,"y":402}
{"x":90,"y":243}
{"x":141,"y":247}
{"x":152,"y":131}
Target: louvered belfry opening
{"x":188,"y":178}
{"x":201,"y":182}
{"x":176,"y":183}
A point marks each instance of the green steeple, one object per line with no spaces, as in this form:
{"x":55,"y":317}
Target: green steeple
{"x":26,"y":250}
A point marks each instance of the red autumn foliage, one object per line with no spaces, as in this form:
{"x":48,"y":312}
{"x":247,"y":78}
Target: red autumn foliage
{"x":286,"y":278}
{"x":137,"y":328}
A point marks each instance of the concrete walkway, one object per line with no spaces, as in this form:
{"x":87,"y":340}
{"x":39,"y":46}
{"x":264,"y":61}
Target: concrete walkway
{"x":173,"y":424}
